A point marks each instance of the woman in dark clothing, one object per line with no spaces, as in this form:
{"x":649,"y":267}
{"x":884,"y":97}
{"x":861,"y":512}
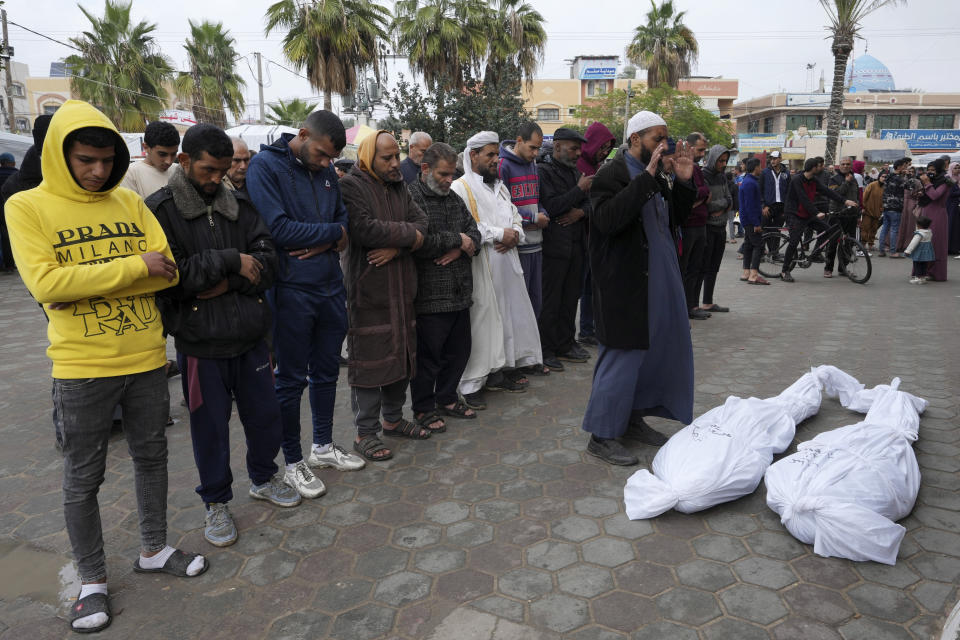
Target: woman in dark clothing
{"x":953,"y":211}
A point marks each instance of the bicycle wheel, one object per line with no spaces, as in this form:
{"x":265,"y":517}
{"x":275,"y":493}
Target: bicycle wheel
{"x":854,"y":254}
{"x":774,"y":246}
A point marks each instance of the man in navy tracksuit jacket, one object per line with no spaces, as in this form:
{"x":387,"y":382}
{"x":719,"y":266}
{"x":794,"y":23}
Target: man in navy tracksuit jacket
{"x":294,"y":187}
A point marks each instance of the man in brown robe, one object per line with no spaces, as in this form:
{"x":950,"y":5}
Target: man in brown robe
{"x":385,"y":226}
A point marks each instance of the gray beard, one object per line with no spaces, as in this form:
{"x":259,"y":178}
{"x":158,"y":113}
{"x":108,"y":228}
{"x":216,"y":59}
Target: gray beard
{"x":434,"y":186}
{"x":565,"y":161}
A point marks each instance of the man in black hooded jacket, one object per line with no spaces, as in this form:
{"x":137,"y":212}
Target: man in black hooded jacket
{"x":28,"y":177}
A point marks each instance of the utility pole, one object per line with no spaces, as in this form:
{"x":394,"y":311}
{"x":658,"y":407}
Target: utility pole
{"x":260,"y":83}
{"x":626,"y":109}
{"x":11,"y":119}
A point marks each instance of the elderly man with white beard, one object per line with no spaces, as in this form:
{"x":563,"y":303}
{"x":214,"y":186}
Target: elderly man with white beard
{"x":502,"y":321}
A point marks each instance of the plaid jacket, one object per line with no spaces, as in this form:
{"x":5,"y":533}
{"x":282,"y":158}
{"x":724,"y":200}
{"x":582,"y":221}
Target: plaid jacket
{"x":447,"y":288}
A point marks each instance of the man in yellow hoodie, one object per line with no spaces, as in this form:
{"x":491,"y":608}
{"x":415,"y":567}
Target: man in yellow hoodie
{"x":94,"y":255}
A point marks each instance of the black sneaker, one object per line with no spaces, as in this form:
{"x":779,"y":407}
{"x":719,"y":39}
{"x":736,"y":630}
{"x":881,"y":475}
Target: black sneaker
{"x":475,"y":400}
{"x":640,"y":431}
{"x":575,"y":354}
{"x":786,"y":277}
{"x":590,"y":341}
{"x":699,"y":314}
{"x":553,"y":363}
{"x":612,"y":452}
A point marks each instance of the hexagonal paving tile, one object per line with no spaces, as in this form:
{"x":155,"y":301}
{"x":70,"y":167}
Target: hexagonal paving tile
{"x":347,"y":514}
{"x":522,"y":532}
{"x":818,"y":603}
{"x":269,"y":567}
{"x":446,"y":512}
{"x":497,"y":510}
{"x":779,"y":546}
{"x":309,"y":539}
{"x":502,"y":607}
{"x":299,"y":625}
{"x":665,"y":549}
{"x":734,"y":524}
{"x":440,"y":559}
{"x":546,"y":508}
{"x":706,"y":575}
{"x":623,"y":611}
{"x":401,"y":588}
{"x":754,"y":604}
{"x":496,"y":473}
{"x":719,"y":547}
{"x":474,"y":491}
{"x":893,"y":605}
{"x":525,"y":584}
{"x":688,"y":606}
{"x":559,"y":613}
{"x":574,"y":529}
{"x":833,"y":573}
{"x":469,"y":533}
{"x":621,"y":526}
{"x":464,"y":585}
{"x":728,"y":628}
{"x":521,"y":490}
{"x":596,"y":507}
{"x":585,"y":581}
{"x":363,"y":623}
{"x":416,"y":536}
{"x":341,"y":595}
{"x":609,"y":552}
{"x":764,"y":572}
{"x":382,"y":562}
{"x":644,"y":577}
{"x":551,"y":555}
{"x":796,"y":628}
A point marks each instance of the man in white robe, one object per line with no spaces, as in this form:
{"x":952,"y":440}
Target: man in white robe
{"x":504,"y":327}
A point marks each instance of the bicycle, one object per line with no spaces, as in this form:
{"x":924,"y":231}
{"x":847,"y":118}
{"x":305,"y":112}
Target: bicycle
{"x":854,"y":261}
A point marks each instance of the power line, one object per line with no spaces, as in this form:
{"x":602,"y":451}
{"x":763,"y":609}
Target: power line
{"x":66,"y":44}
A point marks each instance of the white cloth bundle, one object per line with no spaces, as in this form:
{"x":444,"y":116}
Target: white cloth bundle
{"x":723,"y":454}
{"x":843,"y":490}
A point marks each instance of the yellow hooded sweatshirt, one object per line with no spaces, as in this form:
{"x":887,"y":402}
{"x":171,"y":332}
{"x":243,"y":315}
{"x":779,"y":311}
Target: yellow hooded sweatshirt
{"x":83,"y":247}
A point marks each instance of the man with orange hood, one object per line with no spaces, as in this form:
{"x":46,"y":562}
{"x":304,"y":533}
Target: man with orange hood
{"x":385,"y":226}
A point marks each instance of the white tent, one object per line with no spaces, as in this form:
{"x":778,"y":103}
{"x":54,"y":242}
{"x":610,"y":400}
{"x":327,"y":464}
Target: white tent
{"x":15,"y":144}
{"x":256,"y":134}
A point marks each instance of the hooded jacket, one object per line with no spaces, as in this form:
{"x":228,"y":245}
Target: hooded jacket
{"x":597,"y":135}
{"x":721,"y":200}
{"x":302,"y":209}
{"x":523,"y":183}
{"x":382,"y":339}
{"x":84,"y":247}
{"x":560,"y":194}
{"x":206,"y":241}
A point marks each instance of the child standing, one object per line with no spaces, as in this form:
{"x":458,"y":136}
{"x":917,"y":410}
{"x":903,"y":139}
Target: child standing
{"x":921,"y":250}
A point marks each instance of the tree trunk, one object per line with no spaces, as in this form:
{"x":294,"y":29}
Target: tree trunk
{"x":328,"y":100}
{"x":841,"y":53}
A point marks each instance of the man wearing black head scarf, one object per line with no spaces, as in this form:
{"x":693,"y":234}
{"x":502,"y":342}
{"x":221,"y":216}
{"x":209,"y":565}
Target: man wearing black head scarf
{"x":28,"y":177}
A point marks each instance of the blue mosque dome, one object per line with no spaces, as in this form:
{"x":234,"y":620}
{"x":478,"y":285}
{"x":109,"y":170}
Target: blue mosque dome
{"x":868,"y":74}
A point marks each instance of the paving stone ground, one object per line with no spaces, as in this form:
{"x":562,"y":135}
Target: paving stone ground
{"x":503,"y":527}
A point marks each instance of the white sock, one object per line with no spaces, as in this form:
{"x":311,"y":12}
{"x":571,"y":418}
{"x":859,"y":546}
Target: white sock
{"x":157,"y":561}
{"x":325,"y":448}
{"x":291,"y":467}
{"x":96,"y":619}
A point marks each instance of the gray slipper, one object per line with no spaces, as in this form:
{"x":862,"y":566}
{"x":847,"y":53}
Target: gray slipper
{"x":176,"y":565}
{"x":88,"y":606}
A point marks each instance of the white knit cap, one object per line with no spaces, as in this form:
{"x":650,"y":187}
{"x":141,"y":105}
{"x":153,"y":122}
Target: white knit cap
{"x":644,"y":120}
{"x":482,"y":139}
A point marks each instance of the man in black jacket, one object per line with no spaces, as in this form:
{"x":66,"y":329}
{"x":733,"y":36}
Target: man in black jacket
{"x":844,"y":184}
{"x":800,"y":210}
{"x":219,"y":318}
{"x":444,"y":291}
{"x":565,"y":193}
{"x":645,"y":359}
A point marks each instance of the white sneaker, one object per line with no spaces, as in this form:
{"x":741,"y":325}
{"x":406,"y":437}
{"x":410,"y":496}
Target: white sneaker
{"x":914,"y":280}
{"x":302,"y":479}
{"x":336,"y":457}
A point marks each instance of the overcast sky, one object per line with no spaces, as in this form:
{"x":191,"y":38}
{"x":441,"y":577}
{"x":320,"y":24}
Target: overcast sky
{"x":765,"y":45}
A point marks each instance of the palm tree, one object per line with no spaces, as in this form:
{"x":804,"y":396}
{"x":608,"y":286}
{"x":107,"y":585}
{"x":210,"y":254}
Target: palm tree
{"x":331,"y":40}
{"x":518,"y":39}
{"x":445,"y":40}
{"x":291,"y":113}
{"x":213,"y":81}
{"x":120,"y":69}
{"x":665,"y":47}
{"x":845,"y":18}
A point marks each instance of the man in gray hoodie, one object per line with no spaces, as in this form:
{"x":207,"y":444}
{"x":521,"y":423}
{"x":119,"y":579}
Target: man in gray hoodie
{"x":718,"y":205}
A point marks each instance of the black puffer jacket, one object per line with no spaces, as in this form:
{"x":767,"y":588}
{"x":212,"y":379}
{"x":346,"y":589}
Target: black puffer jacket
{"x":559,"y":194}
{"x":206,"y":243}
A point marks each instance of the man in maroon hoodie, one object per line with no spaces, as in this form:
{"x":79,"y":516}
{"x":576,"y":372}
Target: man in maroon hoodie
{"x":593,"y":152}
{"x":693,"y":232}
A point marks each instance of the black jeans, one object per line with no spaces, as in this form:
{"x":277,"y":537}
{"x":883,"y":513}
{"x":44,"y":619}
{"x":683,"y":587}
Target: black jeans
{"x":443,"y":348}
{"x":752,"y":247}
{"x":849,"y":225}
{"x":798,"y":226}
{"x":716,"y":242}
{"x":776,"y":219}
{"x":691,"y":261}
{"x":562,"y":280}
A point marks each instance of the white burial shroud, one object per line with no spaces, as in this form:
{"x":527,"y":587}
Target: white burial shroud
{"x":723,"y":454}
{"x":843,"y":491}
